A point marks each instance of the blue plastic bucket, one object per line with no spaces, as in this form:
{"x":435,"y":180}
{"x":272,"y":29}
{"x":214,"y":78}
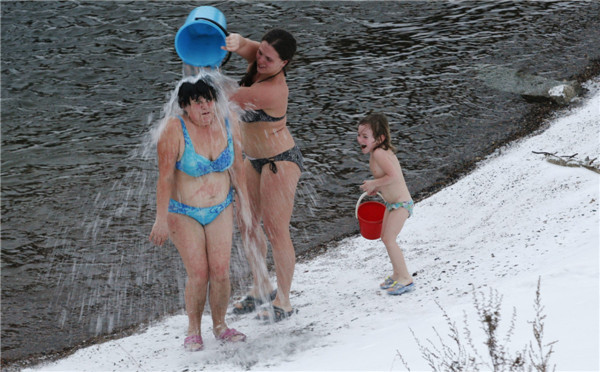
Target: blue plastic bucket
{"x":198,"y":42}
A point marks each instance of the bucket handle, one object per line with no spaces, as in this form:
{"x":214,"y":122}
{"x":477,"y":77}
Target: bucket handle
{"x":360,"y":199}
{"x":222,"y":29}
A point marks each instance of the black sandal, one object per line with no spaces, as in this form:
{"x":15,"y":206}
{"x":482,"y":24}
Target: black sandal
{"x":276,"y":315}
{"x":249,"y":303}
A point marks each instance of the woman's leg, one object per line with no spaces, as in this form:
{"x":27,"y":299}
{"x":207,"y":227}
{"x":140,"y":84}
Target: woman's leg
{"x":219,"y":238}
{"x":277,"y":192}
{"x":392,"y":225}
{"x":188,"y":236}
{"x":255,"y":244}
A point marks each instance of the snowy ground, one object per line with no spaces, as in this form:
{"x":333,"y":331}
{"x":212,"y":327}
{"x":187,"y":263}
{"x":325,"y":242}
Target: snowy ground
{"x":515,"y":219}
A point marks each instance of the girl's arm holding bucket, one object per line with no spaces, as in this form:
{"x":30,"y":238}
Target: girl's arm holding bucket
{"x":386,"y":171}
{"x":245,"y":47}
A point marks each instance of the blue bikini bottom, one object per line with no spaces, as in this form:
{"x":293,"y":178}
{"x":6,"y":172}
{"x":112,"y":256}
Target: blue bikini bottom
{"x":408,"y":205}
{"x":204,"y":216}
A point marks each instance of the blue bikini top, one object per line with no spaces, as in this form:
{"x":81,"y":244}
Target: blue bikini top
{"x":253,"y":116}
{"x":196,"y":165}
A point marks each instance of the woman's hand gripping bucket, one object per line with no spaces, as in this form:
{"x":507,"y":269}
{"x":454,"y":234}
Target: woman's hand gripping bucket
{"x":370,"y":217}
{"x":198,"y":42}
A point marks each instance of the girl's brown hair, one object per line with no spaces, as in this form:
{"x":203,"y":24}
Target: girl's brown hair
{"x":380,"y":127}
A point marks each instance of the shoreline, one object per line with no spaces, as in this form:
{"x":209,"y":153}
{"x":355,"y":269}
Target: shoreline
{"x":516,"y":223}
{"x":533,"y":121}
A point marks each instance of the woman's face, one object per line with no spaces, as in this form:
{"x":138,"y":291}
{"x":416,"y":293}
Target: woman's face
{"x":365,"y":138}
{"x":201,"y":111}
{"x":268,"y":61}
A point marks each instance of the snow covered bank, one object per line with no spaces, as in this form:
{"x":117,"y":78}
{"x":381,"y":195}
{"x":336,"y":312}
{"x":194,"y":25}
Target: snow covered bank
{"x":515,"y":219}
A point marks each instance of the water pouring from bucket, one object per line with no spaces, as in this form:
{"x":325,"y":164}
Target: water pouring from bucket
{"x":198,"y":42}
{"x":370,"y":217}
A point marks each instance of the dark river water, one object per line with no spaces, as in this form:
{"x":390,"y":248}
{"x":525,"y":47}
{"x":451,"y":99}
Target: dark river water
{"x":83,"y":83}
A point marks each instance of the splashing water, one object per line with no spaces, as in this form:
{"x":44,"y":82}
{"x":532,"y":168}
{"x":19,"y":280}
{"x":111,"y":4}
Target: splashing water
{"x":224,"y":108}
{"x":224,"y":86}
{"x":78,"y":187}
{"x":254,"y":242}
{"x":103,"y":279}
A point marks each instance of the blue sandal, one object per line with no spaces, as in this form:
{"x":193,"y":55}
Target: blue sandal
{"x":387,"y":283}
{"x":398,"y":289}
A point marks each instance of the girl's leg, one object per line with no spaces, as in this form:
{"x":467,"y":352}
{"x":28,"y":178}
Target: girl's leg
{"x":255,"y":244}
{"x":188,"y":236}
{"x":219,"y":238}
{"x":277,"y":192}
{"x":392,"y":225}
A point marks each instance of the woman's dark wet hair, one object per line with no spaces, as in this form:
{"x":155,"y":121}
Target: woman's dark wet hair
{"x":189,"y":92}
{"x":283,"y":42}
{"x":380,"y":127}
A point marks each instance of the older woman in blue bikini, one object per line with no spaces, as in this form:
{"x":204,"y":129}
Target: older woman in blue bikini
{"x":200,"y":165}
{"x":273,"y":166}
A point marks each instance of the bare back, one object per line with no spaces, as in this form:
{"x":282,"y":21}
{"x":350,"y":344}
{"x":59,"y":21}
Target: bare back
{"x":395,"y":190}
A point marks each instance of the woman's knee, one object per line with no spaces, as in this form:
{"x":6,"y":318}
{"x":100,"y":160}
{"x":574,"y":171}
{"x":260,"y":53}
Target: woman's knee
{"x":198,"y":276}
{"x":219,"y":272}
{"x":219,"y":277}
{"x":276,"y":229}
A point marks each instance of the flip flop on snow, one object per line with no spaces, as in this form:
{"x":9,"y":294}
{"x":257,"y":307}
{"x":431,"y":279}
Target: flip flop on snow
{"x":398,"y":289}
{"x":249,"y":303}
{"x":231,"y":335}
{"x":275,"y":314}
{"x":193,"y":343}
{"x":387,"y":283}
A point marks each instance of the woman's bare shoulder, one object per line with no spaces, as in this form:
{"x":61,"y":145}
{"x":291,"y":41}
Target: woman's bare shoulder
{"x":381,"y":153}
{"x":172,"y":128}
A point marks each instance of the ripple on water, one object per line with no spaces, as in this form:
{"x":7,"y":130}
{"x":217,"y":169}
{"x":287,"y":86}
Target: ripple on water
{"x":83,"y":83}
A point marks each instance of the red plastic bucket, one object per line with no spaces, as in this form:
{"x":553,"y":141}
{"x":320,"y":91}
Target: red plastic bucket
{"x":370,"y":218}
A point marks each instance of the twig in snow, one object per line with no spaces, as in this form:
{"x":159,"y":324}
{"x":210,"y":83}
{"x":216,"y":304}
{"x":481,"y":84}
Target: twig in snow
{"x":570,"y":160}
